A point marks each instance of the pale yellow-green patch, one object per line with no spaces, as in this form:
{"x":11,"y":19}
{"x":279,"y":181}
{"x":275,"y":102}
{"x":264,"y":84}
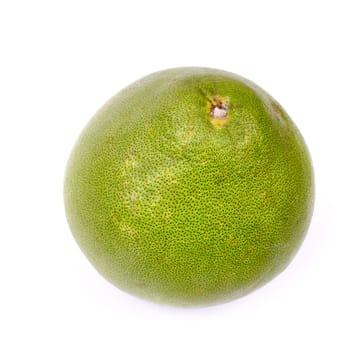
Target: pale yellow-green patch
{"x":127,"y":230}
{"x":130,"y":162}
{"x":185,"y":136}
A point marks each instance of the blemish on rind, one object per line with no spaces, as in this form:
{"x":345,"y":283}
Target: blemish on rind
{"x":218,"y":111}
{"x":278,"y":113}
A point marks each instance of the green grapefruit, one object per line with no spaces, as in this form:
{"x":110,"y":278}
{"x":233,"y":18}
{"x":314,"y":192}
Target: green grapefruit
{"x":191,"y":186}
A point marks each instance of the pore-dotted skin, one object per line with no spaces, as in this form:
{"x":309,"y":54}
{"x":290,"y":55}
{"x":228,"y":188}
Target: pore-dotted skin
{"x":169,"y":207}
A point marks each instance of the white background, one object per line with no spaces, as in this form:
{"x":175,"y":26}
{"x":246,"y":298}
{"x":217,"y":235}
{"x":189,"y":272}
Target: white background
{"x":60,"y":61}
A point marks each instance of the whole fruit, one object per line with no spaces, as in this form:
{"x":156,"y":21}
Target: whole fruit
{"x":192,"y":186}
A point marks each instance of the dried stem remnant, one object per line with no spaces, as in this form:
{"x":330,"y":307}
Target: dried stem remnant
{"x":218,"y":112}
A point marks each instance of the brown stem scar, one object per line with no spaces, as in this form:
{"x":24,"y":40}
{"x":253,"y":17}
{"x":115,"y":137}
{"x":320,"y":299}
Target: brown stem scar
{"x":218,"y":112}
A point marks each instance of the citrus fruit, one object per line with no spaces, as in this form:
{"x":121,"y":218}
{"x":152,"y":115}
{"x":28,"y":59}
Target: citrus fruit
{"x":191,"y":187}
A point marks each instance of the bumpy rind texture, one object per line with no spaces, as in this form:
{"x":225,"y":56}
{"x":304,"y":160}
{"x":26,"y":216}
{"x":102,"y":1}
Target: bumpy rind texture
{"x":175,"y":209}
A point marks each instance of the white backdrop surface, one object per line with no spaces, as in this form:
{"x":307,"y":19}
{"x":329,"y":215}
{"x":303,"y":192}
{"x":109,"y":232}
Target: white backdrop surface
{"x":60,"y":61}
